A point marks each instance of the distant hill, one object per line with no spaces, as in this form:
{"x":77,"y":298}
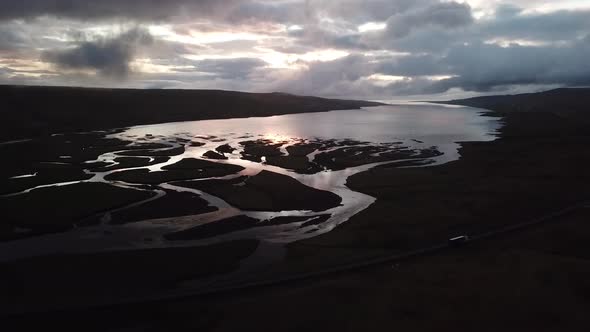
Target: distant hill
{"x":568,"y":102}
{"x":35,"y":111}
{"x":559,"y":112}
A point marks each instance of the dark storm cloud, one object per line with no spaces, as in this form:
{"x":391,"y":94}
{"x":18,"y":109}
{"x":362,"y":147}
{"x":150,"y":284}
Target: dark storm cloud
{"x":511,"y":44}
{"x":233,"y":11}
{"x":317,"y":36}
{"x":413,"y":65}
{"x":254,"y":11}
{"x":507,"y":10}
{"x":359,"y":12}
{"x":416,"y":27}
{"x":560,"y":25}
{"x":475,"y":67}
{"x":109,"y":57}
{"x":329,"y":78}
{"x":411,"y":86}
{"x":11,"y":39}
{"x":105,"y":9}
{"x":558,"y":59}
{"x":349,"y":68}
{"x":283,"y":11}
{"x":6,"y":71}
{"x":446,"y":15}
{"x":482,"y":67}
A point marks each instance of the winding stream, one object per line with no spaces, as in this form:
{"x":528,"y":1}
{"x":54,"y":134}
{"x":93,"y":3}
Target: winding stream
{"x":415,"y":127}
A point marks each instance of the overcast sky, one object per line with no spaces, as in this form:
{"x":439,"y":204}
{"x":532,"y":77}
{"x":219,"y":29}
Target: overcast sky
{"x":373,"y":49}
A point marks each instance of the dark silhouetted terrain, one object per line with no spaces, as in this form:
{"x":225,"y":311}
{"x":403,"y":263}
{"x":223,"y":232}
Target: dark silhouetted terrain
{"x":532,"y":279}
{"x":569,"y":102}
{"x":36,"y":111}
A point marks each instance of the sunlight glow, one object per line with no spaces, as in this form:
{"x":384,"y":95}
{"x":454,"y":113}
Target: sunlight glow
{"x":286,"y":60}
{"x":502,"y":42}
{"x":382,"y":80}
{"x":388,"y":78}
{"x":484,"y":8}
{"x":147,"y":66}
{"x":294,"y":28}
{"x":276,"y":138}
{"x":275,"y":59}
{"x":26,"y":67}
{"x":371,"y":26}
{"x":165,"y":32}
{"x":439,"y":77}
{"x":551,"y":6}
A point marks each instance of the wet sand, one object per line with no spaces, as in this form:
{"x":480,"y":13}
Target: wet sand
{"x":43,"y":174}
{"x":155,"y":153}
{"x":185,"y":169}
{"x":343,"y":158}
{"x":173,"y":204}
{"x":148,"y":168}
{"x":128,"y":162}
{"x":223,"y":226}
{"x":267,"y":191}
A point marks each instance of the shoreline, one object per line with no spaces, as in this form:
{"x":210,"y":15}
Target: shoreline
{"x":69,"y":110}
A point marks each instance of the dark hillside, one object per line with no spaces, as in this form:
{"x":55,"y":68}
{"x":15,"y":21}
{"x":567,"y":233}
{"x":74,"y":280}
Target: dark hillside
{"x":35,"y":111}
{"x":573,"y":103}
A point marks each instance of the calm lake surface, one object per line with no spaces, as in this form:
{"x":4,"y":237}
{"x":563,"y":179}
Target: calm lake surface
{"x":436,"y":125}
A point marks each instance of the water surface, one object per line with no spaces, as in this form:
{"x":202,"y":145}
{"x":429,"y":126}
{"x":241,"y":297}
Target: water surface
{"x":412,"y":126}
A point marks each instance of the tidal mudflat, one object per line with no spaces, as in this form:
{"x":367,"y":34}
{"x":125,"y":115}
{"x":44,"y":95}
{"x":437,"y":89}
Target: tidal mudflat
{"x":223,"y":196}
{"x":138,"y":187}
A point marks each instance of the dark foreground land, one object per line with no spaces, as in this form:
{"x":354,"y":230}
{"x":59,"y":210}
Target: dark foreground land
{"x":536,"y":278}
{"x":37,"y":111}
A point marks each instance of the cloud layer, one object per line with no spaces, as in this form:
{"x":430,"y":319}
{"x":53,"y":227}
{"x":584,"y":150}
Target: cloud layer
{"x":348,"y":48}
{"x":144,"y":10}
{"x":109,"y":57}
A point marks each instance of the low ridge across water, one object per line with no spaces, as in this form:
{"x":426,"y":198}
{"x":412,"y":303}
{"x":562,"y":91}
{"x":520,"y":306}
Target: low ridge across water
{"x":276,"y":179}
